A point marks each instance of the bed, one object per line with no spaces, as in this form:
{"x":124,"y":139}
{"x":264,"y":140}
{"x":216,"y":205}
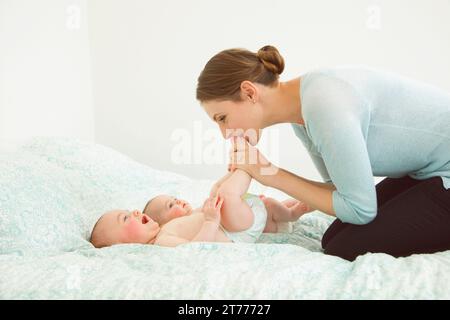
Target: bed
{"x":52,"y":190}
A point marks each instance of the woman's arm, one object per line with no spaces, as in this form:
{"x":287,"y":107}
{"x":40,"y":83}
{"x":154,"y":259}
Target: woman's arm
{"x":337,"y":127}
{"x":316,"y":194}
{"x":326,"y":185}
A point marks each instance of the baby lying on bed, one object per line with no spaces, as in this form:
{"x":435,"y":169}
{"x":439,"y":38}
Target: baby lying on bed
{"x":228,"y":215}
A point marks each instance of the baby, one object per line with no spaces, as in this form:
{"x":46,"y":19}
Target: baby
{"x":228,"y":215}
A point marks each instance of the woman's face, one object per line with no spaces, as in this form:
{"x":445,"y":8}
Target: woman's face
{"x":241,"y":119}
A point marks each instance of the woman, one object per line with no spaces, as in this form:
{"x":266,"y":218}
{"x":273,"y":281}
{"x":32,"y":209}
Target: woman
{"x":356,"y":123}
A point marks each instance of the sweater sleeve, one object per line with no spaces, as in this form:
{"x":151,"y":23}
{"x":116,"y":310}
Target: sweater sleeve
{"x":333,"y":121}
{"x":320,"y":166}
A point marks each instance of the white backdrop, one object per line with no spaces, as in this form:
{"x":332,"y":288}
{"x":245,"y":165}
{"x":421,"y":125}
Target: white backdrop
{"x":126,"y":76}
{"x":46,"y":86}
{"x":147,"y":56}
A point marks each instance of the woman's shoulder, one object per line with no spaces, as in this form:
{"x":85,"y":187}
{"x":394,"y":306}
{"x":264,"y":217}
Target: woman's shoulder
{"x":334,"y":92}
{"x":324,"y":85}
{"x":341,"y":72}
{"x":319,"y":77}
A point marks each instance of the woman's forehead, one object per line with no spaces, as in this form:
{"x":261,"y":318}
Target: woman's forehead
{"x":218,"y":106}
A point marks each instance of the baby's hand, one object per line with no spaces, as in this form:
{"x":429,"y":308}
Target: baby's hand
{"x":214,"y":190}
{"x":211,"y":209}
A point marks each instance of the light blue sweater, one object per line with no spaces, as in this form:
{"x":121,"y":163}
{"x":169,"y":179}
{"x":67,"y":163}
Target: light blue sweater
{"x":362,"y":122}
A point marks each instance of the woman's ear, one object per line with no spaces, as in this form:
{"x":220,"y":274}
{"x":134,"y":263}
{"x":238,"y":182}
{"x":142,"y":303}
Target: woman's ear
{"x":249,"y":92}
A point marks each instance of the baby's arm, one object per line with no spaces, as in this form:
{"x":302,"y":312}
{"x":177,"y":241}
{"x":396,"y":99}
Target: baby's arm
{"x":236,"y":213}
{"x":208,"y":231}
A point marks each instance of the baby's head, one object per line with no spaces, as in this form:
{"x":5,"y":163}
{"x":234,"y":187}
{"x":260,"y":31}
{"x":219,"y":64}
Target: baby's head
{"x":122,"y":226}
{"x":164,"y":208}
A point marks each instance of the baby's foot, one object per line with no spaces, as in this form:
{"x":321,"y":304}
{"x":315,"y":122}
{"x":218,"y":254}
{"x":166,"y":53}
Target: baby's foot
{"x":276,"y":209}
{"x":299,"y":209}
{"x":288,"y":210}
{"x":284,"y":227}
{"x":281,"y":215}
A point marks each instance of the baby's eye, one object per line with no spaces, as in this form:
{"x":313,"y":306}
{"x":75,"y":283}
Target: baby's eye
{"x":222,"y":118}
{"x":125,"y":218}
{"x":172,"y":202}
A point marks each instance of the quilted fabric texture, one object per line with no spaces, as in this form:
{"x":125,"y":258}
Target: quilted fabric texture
{"x":52,"y":191}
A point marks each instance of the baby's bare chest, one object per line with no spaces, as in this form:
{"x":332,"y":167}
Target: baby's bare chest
{"x":184,"y":227}
{"x":188,"y":227}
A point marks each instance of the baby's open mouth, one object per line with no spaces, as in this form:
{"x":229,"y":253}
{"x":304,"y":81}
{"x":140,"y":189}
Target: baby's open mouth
{"x":145,"y":219}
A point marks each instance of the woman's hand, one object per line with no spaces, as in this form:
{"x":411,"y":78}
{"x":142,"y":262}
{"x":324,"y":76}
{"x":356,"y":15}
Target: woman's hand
{"x":248,"y":158}
{"x":211,"y":209}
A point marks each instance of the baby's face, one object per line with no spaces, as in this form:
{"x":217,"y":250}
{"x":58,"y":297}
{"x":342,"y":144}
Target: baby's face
{"x":122,"y":226}
{"x":164,"y":208}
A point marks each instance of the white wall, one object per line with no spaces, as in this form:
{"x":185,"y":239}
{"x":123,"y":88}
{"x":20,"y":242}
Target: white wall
{"x":2,"y":63}
{"x":46,"y":87}
{"x":147,"y":56}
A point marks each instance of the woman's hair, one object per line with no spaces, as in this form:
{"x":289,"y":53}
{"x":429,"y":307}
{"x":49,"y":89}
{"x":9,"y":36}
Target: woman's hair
{"x":223,"y":74}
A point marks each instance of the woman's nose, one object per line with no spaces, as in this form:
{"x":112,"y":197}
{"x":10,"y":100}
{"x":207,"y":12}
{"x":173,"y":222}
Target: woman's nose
{"x":226,"y":133}
{"x":223,"y":131}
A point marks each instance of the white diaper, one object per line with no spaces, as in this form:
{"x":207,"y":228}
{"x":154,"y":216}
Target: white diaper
{"x":259,"y":223}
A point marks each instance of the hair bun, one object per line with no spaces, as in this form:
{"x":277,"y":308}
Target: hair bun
{"x":271,"y":58}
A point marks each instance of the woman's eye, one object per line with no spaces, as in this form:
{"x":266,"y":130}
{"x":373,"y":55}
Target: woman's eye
{"x":171,"y":205}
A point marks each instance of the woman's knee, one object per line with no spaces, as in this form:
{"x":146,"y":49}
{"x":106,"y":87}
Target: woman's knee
{"x":335,"y":228}
{"x":334,"y":248}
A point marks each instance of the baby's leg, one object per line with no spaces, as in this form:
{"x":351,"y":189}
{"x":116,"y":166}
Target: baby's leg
{"x":236,"y":214}
{"x":271,"y":225}
{"x":280,"y":212}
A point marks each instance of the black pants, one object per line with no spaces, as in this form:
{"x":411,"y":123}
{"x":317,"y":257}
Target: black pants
{"x":413,"y":217}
